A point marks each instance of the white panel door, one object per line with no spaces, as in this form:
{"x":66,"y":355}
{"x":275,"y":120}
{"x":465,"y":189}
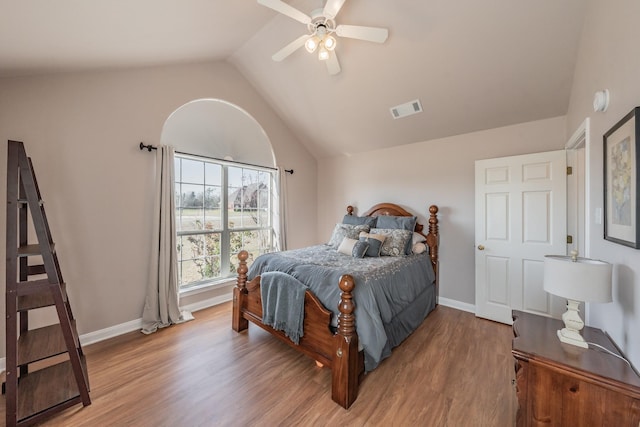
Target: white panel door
{"x":520,"y":217}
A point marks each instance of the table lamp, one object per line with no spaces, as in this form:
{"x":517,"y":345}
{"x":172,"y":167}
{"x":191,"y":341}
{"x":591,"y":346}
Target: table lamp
{"x":577,"y":280}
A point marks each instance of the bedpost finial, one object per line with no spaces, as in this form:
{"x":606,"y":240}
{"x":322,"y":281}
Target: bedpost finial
{"x":346,"y":319}
{"x":346,"y":283}
{"x":242,"y":269}
{"x":433,"y":209}
{"x":349,"y":210}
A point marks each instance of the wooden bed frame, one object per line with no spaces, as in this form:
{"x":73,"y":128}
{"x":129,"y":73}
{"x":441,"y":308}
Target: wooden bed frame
{"x":337,"y":350}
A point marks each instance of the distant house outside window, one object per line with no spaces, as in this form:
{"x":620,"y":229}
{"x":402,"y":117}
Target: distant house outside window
{"x":221,"y":208}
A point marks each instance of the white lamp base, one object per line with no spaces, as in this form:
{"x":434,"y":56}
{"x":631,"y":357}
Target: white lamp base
{"x":570,"y":334}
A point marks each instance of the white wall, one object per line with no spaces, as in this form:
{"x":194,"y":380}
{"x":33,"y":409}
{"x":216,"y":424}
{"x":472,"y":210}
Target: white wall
{"x":82,"y":131}
{"x":608,"y":58}
{"x":437,"y":172}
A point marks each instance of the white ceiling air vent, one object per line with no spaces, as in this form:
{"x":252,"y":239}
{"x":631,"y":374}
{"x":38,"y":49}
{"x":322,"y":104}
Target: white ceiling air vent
{"x":406,"y":109}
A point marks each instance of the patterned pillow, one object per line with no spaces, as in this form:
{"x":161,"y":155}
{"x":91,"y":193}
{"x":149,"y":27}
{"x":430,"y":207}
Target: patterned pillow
{"x":401,"y":222}
{"x":395,"y":241}
{"x":341,"y":231}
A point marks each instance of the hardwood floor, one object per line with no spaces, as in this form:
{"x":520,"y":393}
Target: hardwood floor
{"x":455,"y":370}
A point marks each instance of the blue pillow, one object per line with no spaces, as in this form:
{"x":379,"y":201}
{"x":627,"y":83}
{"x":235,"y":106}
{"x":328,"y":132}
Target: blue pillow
{"x":360,"y":220}
{"x":401,"y":222}
{"x":398,"y":222}
{"x":374,"y":246}
{"x":360,"y":249}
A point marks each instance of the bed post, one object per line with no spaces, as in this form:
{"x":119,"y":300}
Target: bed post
{"x":238,"y":322}
{"x":344,"y":365}
{"x":432,"y":241}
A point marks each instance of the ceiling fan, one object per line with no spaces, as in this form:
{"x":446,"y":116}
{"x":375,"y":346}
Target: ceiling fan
{"x":321,"y":26}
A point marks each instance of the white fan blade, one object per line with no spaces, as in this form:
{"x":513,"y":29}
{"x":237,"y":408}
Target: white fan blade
{"x":370,"y":34}
{"x":290,"y":48}
{"x":333,"y":66}
{"x":332,"y":8}
{"x":285,"y":9}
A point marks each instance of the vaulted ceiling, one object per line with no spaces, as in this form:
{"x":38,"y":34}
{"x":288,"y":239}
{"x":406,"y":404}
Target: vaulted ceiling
{"x":473,"y":65}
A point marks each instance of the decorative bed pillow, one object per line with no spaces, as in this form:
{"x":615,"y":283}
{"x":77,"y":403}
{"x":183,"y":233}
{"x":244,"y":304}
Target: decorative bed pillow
{"x":418,"y":238}
{"x":359,"y":249}
{"x":395,"y":242}
{"x":418,"y":248}
{"x":359,"y":220}
{"x":341,"y":231}
{"x":374,"y":241}
{"x":401,"y":222}
{"x":398,"y":222}
{"x":346,"y":247}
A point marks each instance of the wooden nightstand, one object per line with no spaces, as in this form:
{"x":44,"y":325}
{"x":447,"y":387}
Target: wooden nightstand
{"x":563,"y":385}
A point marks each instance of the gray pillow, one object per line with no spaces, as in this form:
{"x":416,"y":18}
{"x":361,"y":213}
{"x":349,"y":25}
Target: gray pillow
{"x":398,"y":222}
{"x":360,"y":249}
{"x":341,"y":231}
{"x":359,"y":220}
{"x":374,"y":245}
{"x":401,"y":222}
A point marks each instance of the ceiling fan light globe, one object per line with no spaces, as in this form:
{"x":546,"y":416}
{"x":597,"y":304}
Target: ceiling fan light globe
{"x":311,"y":44}
{"x":329,"y":43}
{"x":323,"y":55}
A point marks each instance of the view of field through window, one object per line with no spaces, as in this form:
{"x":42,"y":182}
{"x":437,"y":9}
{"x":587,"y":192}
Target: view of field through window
{"x":220,"y":210}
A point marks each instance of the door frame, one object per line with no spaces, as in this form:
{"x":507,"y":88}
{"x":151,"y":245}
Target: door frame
{"x":581,"y":138}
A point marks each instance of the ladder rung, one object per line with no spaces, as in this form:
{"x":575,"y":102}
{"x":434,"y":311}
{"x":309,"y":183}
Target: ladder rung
{"x":32,"y":301}
{"x":35,"y":287}
{"x":41,"y":343}
{"x":36,"y":398}
{"x":26,"y":202}
{"x":30,"y":250}
{"x":34,"y":270}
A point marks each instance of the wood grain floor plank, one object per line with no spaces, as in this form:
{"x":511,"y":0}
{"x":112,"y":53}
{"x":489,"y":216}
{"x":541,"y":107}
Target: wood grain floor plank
{"x":455,"y":370}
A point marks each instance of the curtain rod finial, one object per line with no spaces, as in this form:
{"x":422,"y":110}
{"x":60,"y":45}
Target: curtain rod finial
{"x":148,"y":147}
{"x":289,"y":171}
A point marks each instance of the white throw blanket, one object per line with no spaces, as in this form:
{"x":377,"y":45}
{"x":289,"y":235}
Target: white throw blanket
{"x":283,"y":303}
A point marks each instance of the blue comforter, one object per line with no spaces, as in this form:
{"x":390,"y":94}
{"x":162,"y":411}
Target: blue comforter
{"x":386,"y":288}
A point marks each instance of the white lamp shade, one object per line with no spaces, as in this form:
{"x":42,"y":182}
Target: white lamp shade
{"x":580,"y":280}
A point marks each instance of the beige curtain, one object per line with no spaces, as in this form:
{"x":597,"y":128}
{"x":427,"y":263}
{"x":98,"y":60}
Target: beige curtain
{"x":161,"y":307}
{"x":281,"y":210}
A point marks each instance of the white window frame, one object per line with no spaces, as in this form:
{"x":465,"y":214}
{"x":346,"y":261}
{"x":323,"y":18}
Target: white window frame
{"x":225,"y":231}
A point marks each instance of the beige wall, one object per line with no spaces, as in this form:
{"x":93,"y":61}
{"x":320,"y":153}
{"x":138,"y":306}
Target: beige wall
{"x":433,"y":172}
{"x":608,"y":59}
{"x":82,"y":132}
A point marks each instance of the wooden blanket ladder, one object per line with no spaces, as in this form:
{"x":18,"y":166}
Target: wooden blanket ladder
{"x":59,"y":379}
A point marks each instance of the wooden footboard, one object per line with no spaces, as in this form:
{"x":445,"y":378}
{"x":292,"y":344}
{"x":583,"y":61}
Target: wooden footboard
{"x":338,"y":350}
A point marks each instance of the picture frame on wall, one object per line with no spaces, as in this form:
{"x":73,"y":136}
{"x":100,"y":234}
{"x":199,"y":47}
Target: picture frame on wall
{"x":621,"y":157}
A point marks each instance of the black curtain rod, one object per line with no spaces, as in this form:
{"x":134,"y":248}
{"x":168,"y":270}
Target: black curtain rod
{"x":148,"y":147}
{"x":151,"y":147}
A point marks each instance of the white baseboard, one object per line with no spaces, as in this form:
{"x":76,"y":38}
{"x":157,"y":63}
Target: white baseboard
{"x":457,"y":305}
{"x":200,"y":305}
{"x":133,"y":325}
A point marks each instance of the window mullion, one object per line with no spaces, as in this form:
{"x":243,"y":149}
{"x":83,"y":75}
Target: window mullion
{"x":224,"y":241}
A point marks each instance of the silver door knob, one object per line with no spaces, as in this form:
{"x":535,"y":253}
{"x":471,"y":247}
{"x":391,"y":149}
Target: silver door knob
{"x":480,"y":247}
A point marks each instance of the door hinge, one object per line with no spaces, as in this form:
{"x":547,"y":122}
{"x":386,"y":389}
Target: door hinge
{"x":569,"y":239}
{"x":569,"y":170}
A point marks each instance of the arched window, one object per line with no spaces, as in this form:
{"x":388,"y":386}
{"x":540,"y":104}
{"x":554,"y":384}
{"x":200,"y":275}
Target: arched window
{"x":224,"y":187}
